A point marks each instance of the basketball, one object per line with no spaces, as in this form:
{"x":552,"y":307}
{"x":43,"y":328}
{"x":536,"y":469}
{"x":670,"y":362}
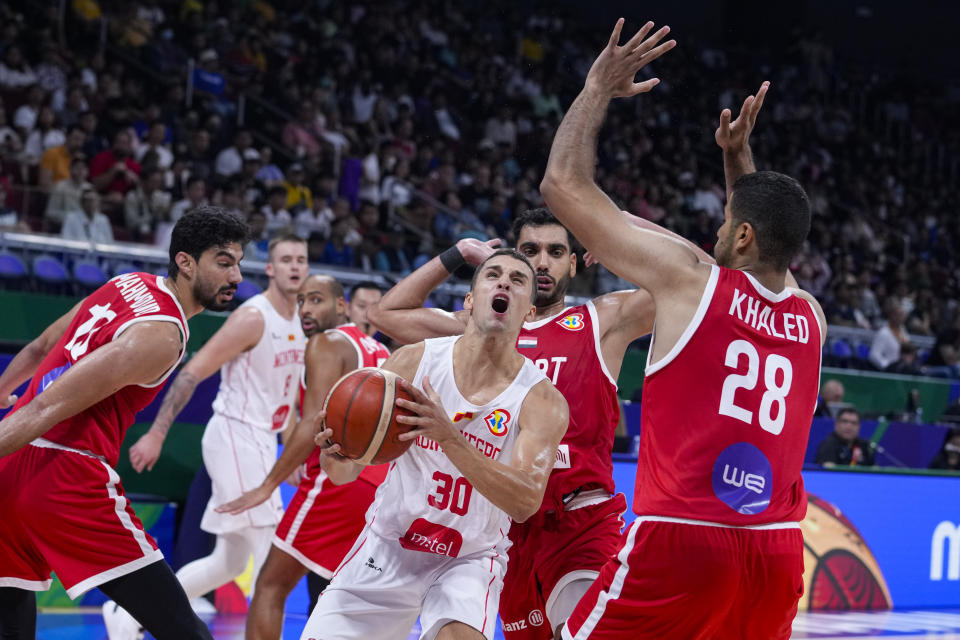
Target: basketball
{"x":362,"y":412}
{"x":840,"y":571}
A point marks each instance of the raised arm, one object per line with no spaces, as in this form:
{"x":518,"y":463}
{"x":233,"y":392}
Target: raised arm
{"x":649,"y":259}
{"x":516,"y":487}
{"x":141,"y":355}
{"x":734,"y":138}
{"x":400,"y":313}
{"x":240,"y":332}
{"x":25,"y":363}
{"x":327,"y":359}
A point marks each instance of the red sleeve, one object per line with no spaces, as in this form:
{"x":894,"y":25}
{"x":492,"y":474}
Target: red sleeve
{"x":101,"y":163}
{"x":133,"y":165}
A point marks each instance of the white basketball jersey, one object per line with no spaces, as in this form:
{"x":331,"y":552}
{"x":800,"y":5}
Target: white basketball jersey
{"x":425,"y":502}
{"x":259,"y":386}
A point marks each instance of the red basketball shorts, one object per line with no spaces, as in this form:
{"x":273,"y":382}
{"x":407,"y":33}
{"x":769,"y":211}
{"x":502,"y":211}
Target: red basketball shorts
{"x":549,"y":551}
{"x":678,"y":579}
{"x":65,"y":511}
{"x":322,"y":522}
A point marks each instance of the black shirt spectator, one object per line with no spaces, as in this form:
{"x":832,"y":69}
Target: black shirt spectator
{"x":949,"y":455}
{"x":843,"y":446}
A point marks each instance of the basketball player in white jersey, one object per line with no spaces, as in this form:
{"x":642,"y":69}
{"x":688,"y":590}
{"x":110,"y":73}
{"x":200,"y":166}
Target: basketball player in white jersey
{"x":486,"y":428}
{"x":259,"y":351}
{"x":323,"y":520}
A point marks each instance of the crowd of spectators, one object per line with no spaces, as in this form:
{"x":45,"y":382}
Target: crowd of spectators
{"x":413,"y":124}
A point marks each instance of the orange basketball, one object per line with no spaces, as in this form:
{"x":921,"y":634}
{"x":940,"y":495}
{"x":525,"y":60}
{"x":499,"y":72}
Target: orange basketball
{"x":362,"y":412}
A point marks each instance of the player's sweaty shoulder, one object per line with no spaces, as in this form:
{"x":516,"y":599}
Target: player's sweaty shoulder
{"x":405,"y":360}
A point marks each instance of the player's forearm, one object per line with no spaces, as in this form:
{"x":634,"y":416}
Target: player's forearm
{"x":517,"y":493}
{"x":409,"y":293}
{"x":340,"y":470}
{"x":21,"y":368}
{"x":736,"y":164}
{"x":173,"y":403}
{"x":295,"y":452}
{"x":643,"y":223}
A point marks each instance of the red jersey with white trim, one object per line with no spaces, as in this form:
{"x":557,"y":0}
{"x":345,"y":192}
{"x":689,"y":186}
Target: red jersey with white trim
{"x":566,"y":347}
{"x":726,"y":413}
{"x":104,"y":315}
{"x":370,"y":353}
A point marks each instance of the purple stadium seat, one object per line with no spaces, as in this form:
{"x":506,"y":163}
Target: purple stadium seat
{"x":89,"y":274}
{"x":246,"y":290}
{"x":12,"y":267}
{"x":842,"y":349}
{"x":49,"y":270}
{"x":124,"y":267}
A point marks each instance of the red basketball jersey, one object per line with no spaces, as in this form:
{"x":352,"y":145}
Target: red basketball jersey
{"x":726,"y":413}
{"x":370,"y":353}
{"x":566,"y":347}
{"x":103,"y":316}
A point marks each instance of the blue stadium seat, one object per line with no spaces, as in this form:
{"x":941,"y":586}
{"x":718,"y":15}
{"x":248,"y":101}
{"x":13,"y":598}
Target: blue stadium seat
{"x":246,"y":290}
{"x":842,"y":349}
{"x":89,"y":274}
{"x":12,"y":267}
{"x":49,"y":270}
{"x":863,"y":351}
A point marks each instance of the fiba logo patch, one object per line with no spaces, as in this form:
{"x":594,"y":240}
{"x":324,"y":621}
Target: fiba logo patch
{"x":497,"y":421}
{"x":535,"y":617}
{"x":572,"y":322}
{"x":742,"y":478}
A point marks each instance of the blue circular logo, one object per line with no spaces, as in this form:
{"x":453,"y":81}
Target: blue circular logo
{"x":743,"y":479}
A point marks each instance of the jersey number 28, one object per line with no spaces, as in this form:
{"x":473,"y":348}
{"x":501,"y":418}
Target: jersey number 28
{"x":773,"y":405}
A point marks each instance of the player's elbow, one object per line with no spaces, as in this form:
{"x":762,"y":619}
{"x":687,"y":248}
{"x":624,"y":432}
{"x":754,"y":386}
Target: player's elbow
{"x":526,"y":506}
{"x":375,"y":315}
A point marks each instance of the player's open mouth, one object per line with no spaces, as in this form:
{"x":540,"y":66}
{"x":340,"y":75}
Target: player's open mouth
{"x":307,"y":324}
{"x":294,"y":279}
{"x":501,"y":302}
{"x":228,"y":292}
{"x":544,"y":282}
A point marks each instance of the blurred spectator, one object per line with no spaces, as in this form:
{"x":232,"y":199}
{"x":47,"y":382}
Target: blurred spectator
{"x":268,"y":173}
{"x":113,"y":171}
{"x":830,"y":400}
{"x":844,"y":308}
{"x":88,"y":223}
{"x":907,"y":363}
{"x":45,"y":135}
{"x":146,"y":206}
{"x":316,"y":245}
{"x":299,"y":197}
{"x":252,"y":190}
{"x":944,"y":360}
{"x":50,"y":73}
{"x":74,"y":104}
{"x":197,"y":158}
{"x":337,"y":251}
{"x":393,"y":257}
{"x":277,"y":216}
{"x":949,"y":455}
{"x":11,"y":145}
{"x":25,"y":118}
{"x":15,"y":73}
{"x":301,"y":136}
{"x":230,"y":160}
{"x":209,"y":84}
{"x":341,"y":212}
{"x":315,"y":220}
{"x":55,"y":163}
{"x":65,"y":196}
{"x":195,"y":195}
{"x":395,"y":188}
{"x":256,"y":249}
{"x":366,"y":254}
{"x":95,"y":142}
{"x":844,"y":446}
{"x":885,"y":349}
{"x":501,"y":129}
{"x":9,"y":219}
{"x":153,"y":149}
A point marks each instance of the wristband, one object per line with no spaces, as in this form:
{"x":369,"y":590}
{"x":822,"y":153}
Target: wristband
{"x":452,"y":259}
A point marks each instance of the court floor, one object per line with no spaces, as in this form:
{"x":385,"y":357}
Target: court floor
{"x":939,"y":624}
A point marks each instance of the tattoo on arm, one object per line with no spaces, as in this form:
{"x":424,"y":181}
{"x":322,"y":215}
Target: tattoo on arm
{"x":176,"y":399}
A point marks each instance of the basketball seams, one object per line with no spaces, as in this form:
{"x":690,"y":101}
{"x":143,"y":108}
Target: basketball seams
{"x":379,"y":435}
{"x":393,"y":411}
{"x":353,"y":395}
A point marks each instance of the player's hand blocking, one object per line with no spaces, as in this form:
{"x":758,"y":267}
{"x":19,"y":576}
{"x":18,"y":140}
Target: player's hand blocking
{"x":615,"y":69}
{"x":733,"y":137}
{"x":431,"y":420}
{"x":474,"y":251}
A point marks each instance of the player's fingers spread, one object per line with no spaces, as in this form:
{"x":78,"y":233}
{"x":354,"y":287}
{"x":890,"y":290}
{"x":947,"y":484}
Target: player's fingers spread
{"x":643,"y":87}
{"x":615,"y":36}
{"x":655,"y":53}
{"x":647,"y":45}
{"x":639,"y":36}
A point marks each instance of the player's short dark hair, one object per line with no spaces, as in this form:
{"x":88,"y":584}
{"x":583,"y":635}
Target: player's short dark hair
{"x":287,"y":236}
{"x":336,"y":287}
{"x":539,"y":217}
{"x":777,"y":208}
{"x":856,"y":414}
{"x":203,"y":227}
{"x":516,"y":255}
{"x":364,"y":284}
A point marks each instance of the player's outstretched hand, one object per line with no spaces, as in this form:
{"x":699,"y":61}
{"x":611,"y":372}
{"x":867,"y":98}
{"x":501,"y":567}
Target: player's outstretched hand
{"x":247,"y":501}
{"x":733,"y":137}
{"x":475,"y":251}
{"x":8,"y":402}
{"x":615,"y":69}
{"x":145,"y":452}
{"x":431,"y":420}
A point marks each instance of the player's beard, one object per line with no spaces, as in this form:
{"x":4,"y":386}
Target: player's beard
{"x":557,"y":294}
{"x":207,"y":294}
{"x":723,"y":251}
